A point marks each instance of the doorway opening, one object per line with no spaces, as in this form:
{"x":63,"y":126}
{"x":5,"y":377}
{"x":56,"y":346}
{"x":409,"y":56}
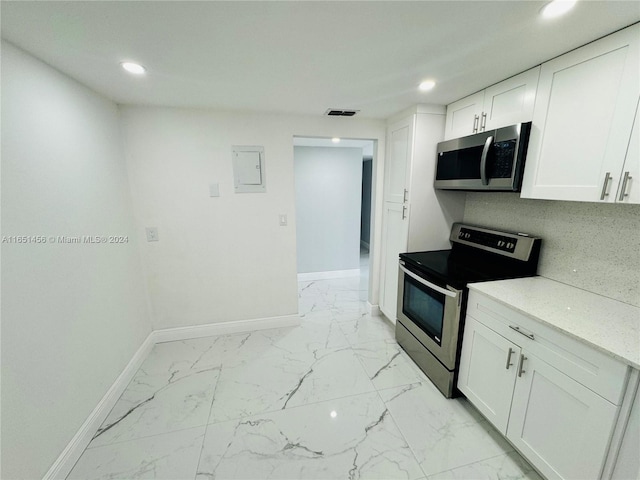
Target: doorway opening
{"x":333,"y":186}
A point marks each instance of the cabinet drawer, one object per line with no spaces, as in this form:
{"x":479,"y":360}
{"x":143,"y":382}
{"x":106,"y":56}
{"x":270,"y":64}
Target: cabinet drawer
{"x":594,"y":369}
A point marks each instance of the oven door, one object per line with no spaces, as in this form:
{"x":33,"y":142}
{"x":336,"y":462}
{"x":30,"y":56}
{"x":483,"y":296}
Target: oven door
{"x":431,"y":312}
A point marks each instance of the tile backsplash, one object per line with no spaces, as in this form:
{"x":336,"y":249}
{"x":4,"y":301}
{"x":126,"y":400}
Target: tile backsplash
{"x":591,"y":246}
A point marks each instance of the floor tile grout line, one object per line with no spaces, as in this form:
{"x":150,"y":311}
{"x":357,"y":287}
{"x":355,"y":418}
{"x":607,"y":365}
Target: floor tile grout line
{"x":406,"y":441}
{"x":135,"y":439}
{"x":504,"y":454}
{"x":268,"y":412}
{"x":206,"y":426}
{"x":413,"y":452}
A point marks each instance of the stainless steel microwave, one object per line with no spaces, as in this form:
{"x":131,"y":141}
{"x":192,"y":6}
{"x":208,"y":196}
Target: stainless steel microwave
{"x":491,"y":160}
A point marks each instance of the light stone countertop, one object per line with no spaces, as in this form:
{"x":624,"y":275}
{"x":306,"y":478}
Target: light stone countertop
{"x":610,"y":326}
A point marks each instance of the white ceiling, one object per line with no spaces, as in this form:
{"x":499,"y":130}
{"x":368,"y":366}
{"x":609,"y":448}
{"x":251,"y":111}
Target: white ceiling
{"x":298,"y":56}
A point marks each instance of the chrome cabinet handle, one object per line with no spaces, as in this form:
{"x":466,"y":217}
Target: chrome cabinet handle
{"x":404,"y":195}
{"x":476,"y":118}
{"x":517,"y":329}
{"x":509,"y":358}
{"x":483,"y":160}
{"x":520,"y":365}
{"x":607,"y":177}
{"x":483,"y":124}
{"x":623,"y":188}
{"x":404,"y":212}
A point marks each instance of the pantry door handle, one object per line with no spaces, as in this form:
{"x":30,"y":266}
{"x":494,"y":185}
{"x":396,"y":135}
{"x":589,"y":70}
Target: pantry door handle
{"x":517,"y":329}
{"x":427,"y":284}
{"x":509,"y":358}
{"x":520,"y":365}
{"x":623,"y":188}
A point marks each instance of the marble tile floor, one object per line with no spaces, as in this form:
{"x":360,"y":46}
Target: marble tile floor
{"x":334,"y":398}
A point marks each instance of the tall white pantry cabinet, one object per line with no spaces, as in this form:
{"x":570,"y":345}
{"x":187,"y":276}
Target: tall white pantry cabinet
{"x":416,"y":217}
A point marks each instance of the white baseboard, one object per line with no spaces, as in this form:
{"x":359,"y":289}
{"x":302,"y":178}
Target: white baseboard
{"x":70,"y":455}
{"x":374,"y":310}
{"x":225,"y":328}
{"x":306,"y":277}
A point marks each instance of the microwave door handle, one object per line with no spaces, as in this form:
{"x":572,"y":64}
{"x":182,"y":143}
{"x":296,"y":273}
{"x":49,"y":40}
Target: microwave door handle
{"x":427,"y":284}
{"x":483,"y":160}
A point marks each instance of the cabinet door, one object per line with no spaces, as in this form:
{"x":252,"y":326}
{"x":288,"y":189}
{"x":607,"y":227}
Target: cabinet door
{"x":562,"y":427}
{"x":628,"y":462}
{"x":463,"y":116}
{"x":398,"y":162}
{"x":395,"y":221}
{"x":582,"y":120}
{"x":629,"y":186}
{"x":488,"y":371}
{"x":394,"y":242}
{"x":510,"y":101}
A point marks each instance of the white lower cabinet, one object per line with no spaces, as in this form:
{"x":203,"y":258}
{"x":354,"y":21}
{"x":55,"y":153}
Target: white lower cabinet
{"x":485,"y":351}
{"x":562,"y":427}
{"x":555,"y":399}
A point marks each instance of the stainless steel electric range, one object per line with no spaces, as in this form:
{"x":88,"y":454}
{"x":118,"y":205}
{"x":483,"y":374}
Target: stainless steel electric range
{"x":432,"y":293}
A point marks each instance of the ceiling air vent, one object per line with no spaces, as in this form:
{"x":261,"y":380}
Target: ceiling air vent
{"x":334,"y":112}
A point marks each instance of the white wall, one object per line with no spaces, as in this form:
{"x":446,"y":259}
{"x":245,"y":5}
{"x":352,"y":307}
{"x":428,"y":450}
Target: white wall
{"x":328,"y":183}
{"x":592,"y":246}
{"x":226,"y":258}
{"x":73,"y":315}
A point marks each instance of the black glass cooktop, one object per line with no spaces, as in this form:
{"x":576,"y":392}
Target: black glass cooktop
{"x":457,"y":268}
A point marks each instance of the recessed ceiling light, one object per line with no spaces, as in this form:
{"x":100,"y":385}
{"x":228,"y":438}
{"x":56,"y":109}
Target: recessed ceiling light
{"x":427,"y":85}
{"x":134,"y":68}
{"x":557,"y":7}
{"x":335,"y":140}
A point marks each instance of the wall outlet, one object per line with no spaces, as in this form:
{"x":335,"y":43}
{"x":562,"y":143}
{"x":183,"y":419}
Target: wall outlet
{"x":152,"y":234}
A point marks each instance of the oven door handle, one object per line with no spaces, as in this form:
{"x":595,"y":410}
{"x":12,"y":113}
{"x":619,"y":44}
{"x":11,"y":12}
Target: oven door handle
{"x":430,"y":285}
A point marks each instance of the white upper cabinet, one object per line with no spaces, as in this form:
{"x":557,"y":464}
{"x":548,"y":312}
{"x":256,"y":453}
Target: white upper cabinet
{"x":510,"y":101}
{"x":506,"y":103}
{"x":400,"y":138}
{"x":463,"y":116}
{"x":629,"y":185}
{"x":582,"y":121}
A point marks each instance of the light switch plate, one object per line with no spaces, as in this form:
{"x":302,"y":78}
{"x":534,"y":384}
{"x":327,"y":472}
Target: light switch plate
{"x":152,"y":234}
{"x":283,"y":219}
